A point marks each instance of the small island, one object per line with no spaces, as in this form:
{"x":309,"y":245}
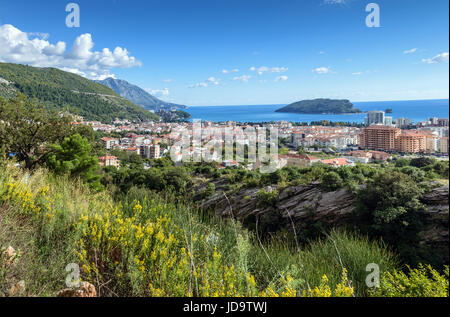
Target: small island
{"x":321,"y":106}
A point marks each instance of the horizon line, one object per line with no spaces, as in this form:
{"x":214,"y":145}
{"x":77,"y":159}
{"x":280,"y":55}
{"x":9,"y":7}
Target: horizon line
{"x":280,"y":104}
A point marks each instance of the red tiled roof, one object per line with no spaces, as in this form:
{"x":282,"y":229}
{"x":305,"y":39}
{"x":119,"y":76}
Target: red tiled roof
{"x":336,"y":162}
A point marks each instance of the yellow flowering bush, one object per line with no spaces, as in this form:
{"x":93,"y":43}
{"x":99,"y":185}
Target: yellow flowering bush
{"x":286,"y":287}
{"x":149,"y":251}
{"x":423,"y":281}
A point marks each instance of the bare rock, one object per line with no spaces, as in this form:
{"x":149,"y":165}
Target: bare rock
{"x":84,"y":290}
{"x":9,"y":255}
{"x":436,"y":196}
{"x":17,"y":289}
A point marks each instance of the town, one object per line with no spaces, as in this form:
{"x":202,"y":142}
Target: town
{"x":299,"y":145}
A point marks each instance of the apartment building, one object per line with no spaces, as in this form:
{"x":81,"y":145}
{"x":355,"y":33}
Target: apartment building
{"x":379,"y":137}
{"x":109,"y":143}
{"x":443,"y":145}
{"x":411,"y":142}
{"x":403,"y":123}
{"x":375,"y":117}
{"x":150,"y":151}
{"x":109,"y":161}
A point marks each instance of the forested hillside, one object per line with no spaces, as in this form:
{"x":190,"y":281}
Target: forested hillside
{"x":66,"y":91}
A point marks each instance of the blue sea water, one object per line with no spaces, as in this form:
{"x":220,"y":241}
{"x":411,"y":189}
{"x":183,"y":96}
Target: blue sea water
{"x":416,"y":110}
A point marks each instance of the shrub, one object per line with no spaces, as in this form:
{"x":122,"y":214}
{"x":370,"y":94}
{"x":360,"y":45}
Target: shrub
{"x":422,"y":161}
{"x":210,"y":189}
{"x":421,"y":282}
{"x":268,"y":198}
{"x":331,"y":181}
{"x":390,"y":208}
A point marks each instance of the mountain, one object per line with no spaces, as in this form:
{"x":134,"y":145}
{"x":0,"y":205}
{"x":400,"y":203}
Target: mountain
{"x":138,"y":95}
{"x":321,"y":106}
{"x":69,"y":92}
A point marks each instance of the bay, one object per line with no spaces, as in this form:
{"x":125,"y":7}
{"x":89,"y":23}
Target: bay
{"x":416,"y":110}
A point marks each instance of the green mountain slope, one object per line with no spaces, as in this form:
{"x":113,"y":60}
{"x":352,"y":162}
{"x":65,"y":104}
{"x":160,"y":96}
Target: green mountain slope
{"x":66,"y":91}
{"x":319,"y":106}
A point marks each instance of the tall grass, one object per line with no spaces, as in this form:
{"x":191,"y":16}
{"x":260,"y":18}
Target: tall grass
{"x":325,"y":256}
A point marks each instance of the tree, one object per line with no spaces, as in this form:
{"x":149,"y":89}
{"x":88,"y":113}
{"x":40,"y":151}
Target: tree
{"x":390,"y":208}
{"x":422,"y":161}
{"x":402,"y":162}
{"x":331,"y":181}
{"x":416,"y":174}
{"x":27,"y":128}
{"x":72,"y":157}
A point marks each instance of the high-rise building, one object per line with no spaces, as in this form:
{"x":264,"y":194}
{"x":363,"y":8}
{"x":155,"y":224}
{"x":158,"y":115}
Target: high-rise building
{"x":433,"y":121}
{"x":379,"y":137}
{"x":403,"y":122}
{"x":375,"y":117}
{"x":443,"y":122}
{"x":411,"y":142}
{"x":388,"y":121}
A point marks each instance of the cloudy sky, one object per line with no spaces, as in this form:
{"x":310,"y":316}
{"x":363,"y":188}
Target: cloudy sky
{"x":226,"y":52}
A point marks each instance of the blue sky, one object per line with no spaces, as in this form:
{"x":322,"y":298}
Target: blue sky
{"x":275,"y":51}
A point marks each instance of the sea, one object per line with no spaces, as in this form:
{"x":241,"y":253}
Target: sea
{"x":416,"y":110}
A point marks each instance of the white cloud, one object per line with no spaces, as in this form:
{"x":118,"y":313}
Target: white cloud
{"x":357,"y":73}
{"x":264,"y":69}
{"x":243,"y":78}
{"x":213,"y":80}
{"x":202,"y":84}
{"x":413,"y":50}
{"x":322,"y":70}
{"x":40,"y":35}
{"x":169,"y":80}
{"x":440,"y":58}
{"x":206,"y":83}
{"x":225,"y":71}
{"x":281,"y":78}
{"x":159,"y":92}
{"x":321,"y":52}
{"x":20,"y":47}
{"x":334,"y":1}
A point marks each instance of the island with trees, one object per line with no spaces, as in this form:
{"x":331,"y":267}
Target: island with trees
{"x":321,"y":106}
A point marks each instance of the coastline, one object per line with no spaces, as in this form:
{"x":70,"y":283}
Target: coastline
{"x":416,"y":110}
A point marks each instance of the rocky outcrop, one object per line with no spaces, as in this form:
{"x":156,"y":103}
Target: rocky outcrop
{"x":299,"y":203}
{"x":436,"y":232}
{"x":436,"y":197}
{"x":308,"y":205}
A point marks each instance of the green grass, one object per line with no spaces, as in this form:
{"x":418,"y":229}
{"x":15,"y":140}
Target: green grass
{"x":327,"y":256}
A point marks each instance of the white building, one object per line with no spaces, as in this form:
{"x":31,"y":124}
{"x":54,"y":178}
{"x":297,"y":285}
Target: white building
{"x":375,"y":117}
